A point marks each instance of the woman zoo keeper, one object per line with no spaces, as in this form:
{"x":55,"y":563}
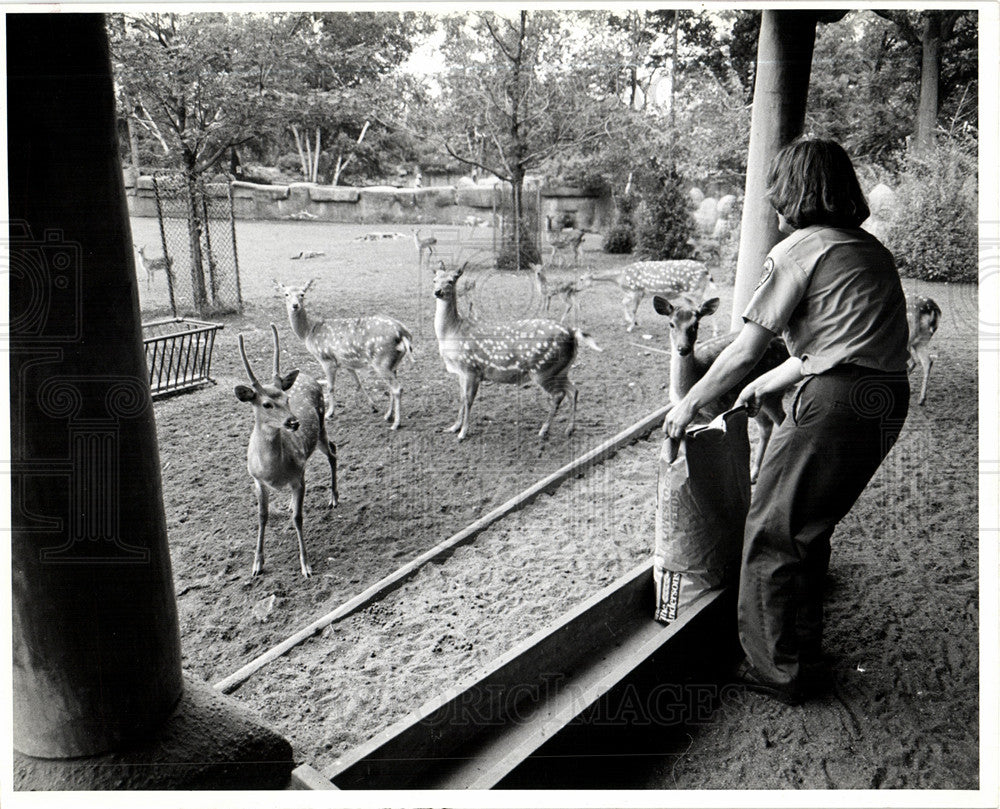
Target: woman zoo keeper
{"x":832,"y":291}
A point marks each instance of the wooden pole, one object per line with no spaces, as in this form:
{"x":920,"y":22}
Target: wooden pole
{"x":96,"y":651}
{"x":784,"y":59}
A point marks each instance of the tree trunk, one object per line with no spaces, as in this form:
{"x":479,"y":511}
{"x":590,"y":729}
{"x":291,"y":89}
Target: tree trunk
{"x":930,"y":71}
{"x":195,"y":227}
{"x":133,"y":147}
{"x":784,"y":59}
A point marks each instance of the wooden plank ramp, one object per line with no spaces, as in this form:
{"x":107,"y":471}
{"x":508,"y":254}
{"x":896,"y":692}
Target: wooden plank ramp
{"x":474,"y":735}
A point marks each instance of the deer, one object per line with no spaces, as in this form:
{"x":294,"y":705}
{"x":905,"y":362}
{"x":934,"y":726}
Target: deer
{"x":689,"y":360}
{"x":566,"y":289}
{"x":566,"y":240}
{"x":666,"y":278}
{"x":288,"y":426}
{"x":151,"y":265}
{"x":537,"y":349}
{"x":922,"y":316}
{"x":378,"y":342}
{"x":424,"y":245}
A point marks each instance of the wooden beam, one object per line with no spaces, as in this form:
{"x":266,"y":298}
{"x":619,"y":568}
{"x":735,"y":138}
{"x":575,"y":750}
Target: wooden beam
{"x":473,"y":735}
{"x":784,"y":60}
{"x":391,"y":582}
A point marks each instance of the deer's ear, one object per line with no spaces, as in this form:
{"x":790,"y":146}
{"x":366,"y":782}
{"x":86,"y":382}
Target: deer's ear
{"x":245,"y":393}
{"x":289,"y":379}
{"x":663,"y":306}
{"x":709,"y":307}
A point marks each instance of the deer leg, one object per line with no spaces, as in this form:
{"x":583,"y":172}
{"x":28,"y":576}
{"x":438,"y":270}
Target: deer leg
{"x":395,"y":397}
{"x":357,"y":381}
{"x":471,"y":388}
{"x":765,"y":427}
{"x":926,"y":362}
{"x":461,"y":406}
{"x":298,"y":496}
{"x":329,"y":449}
{"x":258,"y":555}
{"x":556,"y":388}
{"x":631,"y":303}
{"x":330,"y":369}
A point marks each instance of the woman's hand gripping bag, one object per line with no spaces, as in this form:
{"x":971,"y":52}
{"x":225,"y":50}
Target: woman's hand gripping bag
{"x":703,"y":495}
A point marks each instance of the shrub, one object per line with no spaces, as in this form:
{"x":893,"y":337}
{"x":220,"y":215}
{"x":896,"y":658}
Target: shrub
{"x":620,"y":239}
{"x":934,"y":233}
{"x":507,"y":257}
{"x":664,"y":226}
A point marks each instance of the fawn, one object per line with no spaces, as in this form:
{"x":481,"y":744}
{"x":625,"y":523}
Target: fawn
{"x":667,"y":278}
{"x":374,"y":341}
{"x":922,"y":316}
{"x":538,"y":349}
{"x":288,"y":426}
{"x":565,"y":289}
{"x":151,"y":265}
{"x":690,"y":360}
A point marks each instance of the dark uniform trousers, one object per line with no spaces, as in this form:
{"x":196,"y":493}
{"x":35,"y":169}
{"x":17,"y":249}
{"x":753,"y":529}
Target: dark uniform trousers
{"x":842,"y":425}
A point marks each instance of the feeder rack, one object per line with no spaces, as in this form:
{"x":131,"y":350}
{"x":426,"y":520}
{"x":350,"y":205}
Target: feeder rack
{"x":178,"y":354}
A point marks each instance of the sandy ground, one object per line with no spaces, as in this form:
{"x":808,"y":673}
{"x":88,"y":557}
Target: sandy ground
{"x":903,"y":588}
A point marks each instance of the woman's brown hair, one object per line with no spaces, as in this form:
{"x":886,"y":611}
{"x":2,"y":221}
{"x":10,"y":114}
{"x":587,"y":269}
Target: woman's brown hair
{"x":812,"y":182}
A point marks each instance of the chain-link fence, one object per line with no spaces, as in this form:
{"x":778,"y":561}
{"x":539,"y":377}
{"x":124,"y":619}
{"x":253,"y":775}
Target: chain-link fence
{"x":198,"y":237}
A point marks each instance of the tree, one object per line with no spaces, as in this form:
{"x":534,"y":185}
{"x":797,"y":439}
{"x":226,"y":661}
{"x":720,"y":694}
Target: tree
{"x":333,"y":84}
{"x":515,"y":96}
{"x":200,"y":82}
{"x":929,"y":31}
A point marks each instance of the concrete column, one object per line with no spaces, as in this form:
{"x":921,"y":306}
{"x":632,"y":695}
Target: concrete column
{"x":95,"y":638}
{"x":784,"y":60}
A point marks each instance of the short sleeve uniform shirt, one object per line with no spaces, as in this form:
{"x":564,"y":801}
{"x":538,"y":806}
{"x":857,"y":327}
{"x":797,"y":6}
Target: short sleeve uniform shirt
{"x":834,"y":295}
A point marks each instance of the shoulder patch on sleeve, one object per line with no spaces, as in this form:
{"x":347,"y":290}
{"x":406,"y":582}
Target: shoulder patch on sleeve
{"x":768,"y":269}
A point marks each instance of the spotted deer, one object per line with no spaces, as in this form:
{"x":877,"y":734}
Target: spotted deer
{"x":151,"y":265}
{"x":567,"y":289}
{"x":564,"y":241}
{"x":288,"y":426}
{"x":424,"y":245}
{"x":669,"y":279}
{"x":689,"y":360}
{"x":538,"y":349}
{"x":922,"y":316}
{"x":373,"y":341}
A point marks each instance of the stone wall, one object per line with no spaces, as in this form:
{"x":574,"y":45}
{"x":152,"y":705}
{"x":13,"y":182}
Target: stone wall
{"x":447,"y":205}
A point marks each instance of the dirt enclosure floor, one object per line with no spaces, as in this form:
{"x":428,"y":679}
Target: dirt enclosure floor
{"x":903,"y":620}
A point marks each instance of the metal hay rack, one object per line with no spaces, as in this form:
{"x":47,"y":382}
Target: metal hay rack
{"x":179,"y":354}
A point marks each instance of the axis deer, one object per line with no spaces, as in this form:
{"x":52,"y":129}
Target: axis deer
{"x":567,"y":289}
{"x":151,"y":265}
{"x":669,"y":279}
{"x":424,"y":245}
{"x":540,"y":350}
{"x":689,"y":360}
{"x":288,"y":425}
{"x":922,"y":316}
{"x":563,"y":241}
{"x":373,"y":341}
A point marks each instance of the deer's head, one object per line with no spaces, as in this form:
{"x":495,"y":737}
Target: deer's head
{"x":684,"y":318}
{"x":445,"y":280}
{"x":270,"y":402}
{"x":295,"y":297}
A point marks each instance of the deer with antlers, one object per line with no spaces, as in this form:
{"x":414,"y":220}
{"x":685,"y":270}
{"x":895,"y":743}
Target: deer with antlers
{"x":288,"y":426}
{"x":540,"y":350}
{"x":669,"y":279}
{"x":378,"y":342}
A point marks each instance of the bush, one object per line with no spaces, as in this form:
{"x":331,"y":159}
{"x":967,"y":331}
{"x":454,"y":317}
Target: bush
{"x":620,"y":239}
{"x":507,"y":258}
{"x":934,"y":233}
{"x":664,"y":224}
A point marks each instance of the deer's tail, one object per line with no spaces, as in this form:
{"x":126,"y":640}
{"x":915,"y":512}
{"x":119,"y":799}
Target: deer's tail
{"x":586,"y":339}
{"x":405,"y":346}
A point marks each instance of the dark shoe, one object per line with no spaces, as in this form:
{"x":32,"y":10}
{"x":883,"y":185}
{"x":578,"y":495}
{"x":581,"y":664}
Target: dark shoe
{"x":749,"y":677}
